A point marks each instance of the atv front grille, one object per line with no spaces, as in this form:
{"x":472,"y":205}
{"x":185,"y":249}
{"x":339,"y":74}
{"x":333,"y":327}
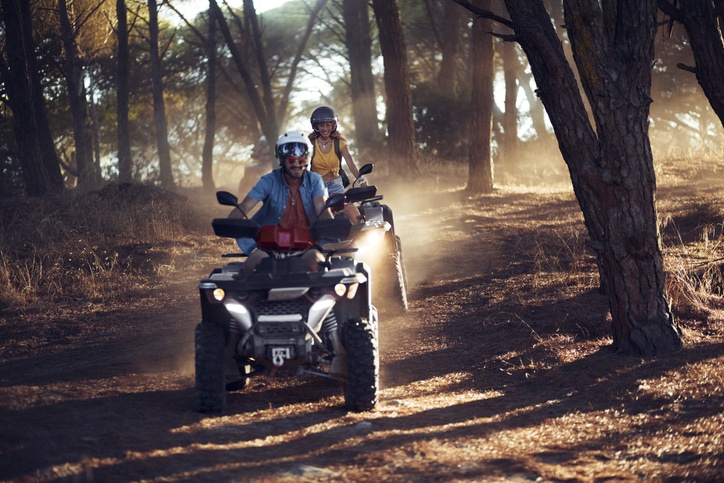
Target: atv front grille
{"x":299,"y":306}
{"x":273,"y":328}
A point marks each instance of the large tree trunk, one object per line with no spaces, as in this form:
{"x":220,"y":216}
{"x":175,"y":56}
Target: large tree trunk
{"x":400,"y":126}
{"x":36,"y":150}
{"x":159,"y":106}
{"x":702,"y":20}
{"x":480,"y":162}
{"x":207,"y":158}
{"x":611,"y":167}
{"x":125,"y":168}
{"x":77,"y":100}
{"x":358,"y":41}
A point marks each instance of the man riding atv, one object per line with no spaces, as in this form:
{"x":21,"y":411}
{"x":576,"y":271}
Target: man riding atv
{"x":292,"y":196}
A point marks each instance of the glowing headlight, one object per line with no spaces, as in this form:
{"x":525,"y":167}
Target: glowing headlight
{"x":218,"y":294}
{"x":340,"y":289}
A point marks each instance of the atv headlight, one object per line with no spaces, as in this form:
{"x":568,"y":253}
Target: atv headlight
{"x":213,"y":293}
{"x":340,"y":289}
{"x":348,"y":291}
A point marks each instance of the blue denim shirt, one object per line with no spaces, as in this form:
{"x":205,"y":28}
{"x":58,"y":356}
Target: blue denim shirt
{"x":273,"y":191}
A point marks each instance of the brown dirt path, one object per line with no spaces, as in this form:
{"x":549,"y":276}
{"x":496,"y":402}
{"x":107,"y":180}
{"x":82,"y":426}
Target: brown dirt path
{"x":499,"y":372}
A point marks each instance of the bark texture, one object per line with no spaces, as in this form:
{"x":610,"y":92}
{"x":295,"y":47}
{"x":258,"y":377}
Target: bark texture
{"x":480,"y":161}
{"x":36,"y":149}
{"x":400,"y":127}
{"x":358,"y":41}
{"x":611,"y":166}
{"x":159,"y":105}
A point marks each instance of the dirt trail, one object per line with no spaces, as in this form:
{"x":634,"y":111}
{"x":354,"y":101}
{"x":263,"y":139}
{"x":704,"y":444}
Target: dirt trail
{"x":492,"y":376}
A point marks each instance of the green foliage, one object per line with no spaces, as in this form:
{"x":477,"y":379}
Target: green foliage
{"x":441,"y":123}
{"x":679,"y":113}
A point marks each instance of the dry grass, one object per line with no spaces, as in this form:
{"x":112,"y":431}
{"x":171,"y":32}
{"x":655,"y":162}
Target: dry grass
{"x":93,"y":245}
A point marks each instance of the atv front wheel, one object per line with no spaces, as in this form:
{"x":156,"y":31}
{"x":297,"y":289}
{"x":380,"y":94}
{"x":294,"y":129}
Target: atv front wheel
{"x":210,"y":383}
{"x":363,"y":364}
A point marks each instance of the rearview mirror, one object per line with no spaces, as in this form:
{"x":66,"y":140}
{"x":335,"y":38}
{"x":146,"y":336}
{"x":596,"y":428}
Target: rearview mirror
{"x":226,"y":198}
{"x":366,"y":169}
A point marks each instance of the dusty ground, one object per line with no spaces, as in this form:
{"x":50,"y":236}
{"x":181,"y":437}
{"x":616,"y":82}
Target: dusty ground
{"x":501,"y":371}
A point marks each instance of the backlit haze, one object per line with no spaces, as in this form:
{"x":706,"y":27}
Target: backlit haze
{"x":191,"y":7}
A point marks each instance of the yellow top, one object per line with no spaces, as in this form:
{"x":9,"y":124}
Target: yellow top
{"x":325,"y":163}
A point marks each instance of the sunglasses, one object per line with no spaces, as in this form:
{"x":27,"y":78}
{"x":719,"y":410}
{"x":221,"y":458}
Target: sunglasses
{"x":301,"y":160}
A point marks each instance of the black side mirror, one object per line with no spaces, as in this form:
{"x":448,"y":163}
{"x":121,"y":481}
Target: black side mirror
{"x":366,"y":169}
{"x":226,"y":198}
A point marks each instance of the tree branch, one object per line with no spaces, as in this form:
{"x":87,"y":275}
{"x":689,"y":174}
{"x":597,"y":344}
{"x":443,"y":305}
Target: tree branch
{"x":686,"y":68}
{"x":484,"y":13}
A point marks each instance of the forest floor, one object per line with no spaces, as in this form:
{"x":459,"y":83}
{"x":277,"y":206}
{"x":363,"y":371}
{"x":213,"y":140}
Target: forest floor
{"x":501,"y":371}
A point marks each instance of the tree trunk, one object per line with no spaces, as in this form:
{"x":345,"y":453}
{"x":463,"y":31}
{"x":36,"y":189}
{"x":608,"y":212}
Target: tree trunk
{"x":703,"y":25}
{"x":537,"y":110}
{"x":159,"y":107}
{"x":36,"y":150}
{"x":611,"y":166}
{"x":125,"y":168}
{"x":76,"y":100}
{"x":269,"y":118}
{"x":400,"y":126}
{"x":480,"y":162}
{"x":509,"y":145}
{"x":267,"y":125}
{"x":207,"y":158}
{"x":358,"y":41}
{"x":447,"y":77}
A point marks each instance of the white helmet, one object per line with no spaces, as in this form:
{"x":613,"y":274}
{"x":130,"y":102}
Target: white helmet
{"x":291,"y":143}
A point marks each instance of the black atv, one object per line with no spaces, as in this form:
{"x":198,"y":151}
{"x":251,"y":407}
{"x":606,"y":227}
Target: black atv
{"x":286,"y":317}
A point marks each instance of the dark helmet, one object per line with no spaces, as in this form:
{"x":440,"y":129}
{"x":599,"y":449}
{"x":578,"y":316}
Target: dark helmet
{"x":291,"y":143}
{"x":323,"y":114}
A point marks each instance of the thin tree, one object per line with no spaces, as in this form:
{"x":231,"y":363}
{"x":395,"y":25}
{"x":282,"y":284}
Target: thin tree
{"x":358,"y":40}
{"x":76,"y":99}
{"x":611,"y":164}
{"x":207,"y":158}
{"x":400,"y":126}
{"x":159,"y":106}
{"x":36,"y":150}
{"x":704,"y":22}
{"x":480,"y":161}
{"x":511,"y":67}
{"x":125,"y":167}
{"x":259,"y":91}
{"x":449,"y":41}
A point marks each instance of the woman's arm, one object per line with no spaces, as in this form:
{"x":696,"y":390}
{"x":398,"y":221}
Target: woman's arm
{"x":350,"y":162}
